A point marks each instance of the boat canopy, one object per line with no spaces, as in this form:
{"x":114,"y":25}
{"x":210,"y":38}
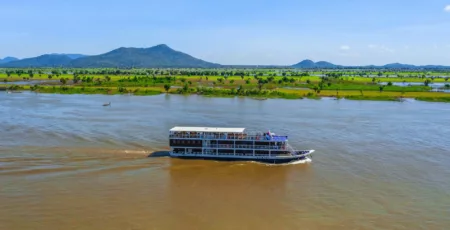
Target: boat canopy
{"x":207,"y":129}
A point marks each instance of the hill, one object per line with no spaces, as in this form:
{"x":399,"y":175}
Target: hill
{"x":308,"y":64}
{"x":156,"y":56}
{"x":46,"y":60}
{"x":8,"y":59}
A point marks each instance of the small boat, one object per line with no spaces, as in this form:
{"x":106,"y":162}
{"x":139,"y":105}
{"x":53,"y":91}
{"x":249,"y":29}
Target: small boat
{"x":232,"y":144}
{"x":107,"y":104}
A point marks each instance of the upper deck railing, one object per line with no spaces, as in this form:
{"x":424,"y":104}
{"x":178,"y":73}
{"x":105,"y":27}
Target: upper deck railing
{"x":208,"y":136}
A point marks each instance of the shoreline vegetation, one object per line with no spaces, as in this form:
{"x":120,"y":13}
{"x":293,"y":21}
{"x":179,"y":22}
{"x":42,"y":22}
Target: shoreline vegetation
{"x":259,"y":84}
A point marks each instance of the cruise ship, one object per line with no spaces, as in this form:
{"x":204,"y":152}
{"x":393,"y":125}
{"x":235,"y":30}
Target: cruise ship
{"x":232,"y":144}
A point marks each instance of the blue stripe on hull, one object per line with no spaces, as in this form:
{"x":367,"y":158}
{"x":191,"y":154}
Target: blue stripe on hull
{"x":270,"y":161}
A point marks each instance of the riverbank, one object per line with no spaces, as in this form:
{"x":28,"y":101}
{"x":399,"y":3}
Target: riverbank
{"x":257,"y":84}
{"x":252,"y":93}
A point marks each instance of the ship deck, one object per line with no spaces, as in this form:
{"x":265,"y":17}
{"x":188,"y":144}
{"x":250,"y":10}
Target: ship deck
{"x":279,"y":138}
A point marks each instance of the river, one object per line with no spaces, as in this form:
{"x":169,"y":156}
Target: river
{"x":67,"y":162}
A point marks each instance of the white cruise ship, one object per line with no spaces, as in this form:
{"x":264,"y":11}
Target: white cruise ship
{"x":232,"y":144}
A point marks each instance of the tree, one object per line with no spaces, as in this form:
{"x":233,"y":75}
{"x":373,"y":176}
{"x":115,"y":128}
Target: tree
{"x":75,"y":79}
{"x":167,"y":87}
{"x":316,"y":88}
{"x":261,"y":83}
{"x":389,"y":83}
{"x":231,"y":81}
{"x":381,"y":88}
{"x":239,"y":89}
{"x":63,"y":81}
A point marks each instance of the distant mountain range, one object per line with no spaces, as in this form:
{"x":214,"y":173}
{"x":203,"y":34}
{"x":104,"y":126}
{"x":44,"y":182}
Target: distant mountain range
{"x":308,"y":64}
{"x":153,"y":57}
{"x":162,"y":56}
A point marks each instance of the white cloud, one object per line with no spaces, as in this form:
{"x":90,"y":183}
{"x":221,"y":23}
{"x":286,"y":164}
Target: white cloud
{"x":381,"y":48}
{"x":345,"y":47}
{"x":447,"y":8}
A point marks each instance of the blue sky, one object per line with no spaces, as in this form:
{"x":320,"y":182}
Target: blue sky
{"x":348,"y":32}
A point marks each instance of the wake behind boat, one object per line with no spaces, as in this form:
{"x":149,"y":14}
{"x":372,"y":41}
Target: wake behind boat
{"x":232,"y":144}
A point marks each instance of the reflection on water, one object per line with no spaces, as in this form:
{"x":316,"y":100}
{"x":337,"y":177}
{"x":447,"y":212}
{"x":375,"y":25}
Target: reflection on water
{"x":65,"y":160}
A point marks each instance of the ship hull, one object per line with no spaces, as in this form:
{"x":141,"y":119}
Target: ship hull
{"x":273,"y":160}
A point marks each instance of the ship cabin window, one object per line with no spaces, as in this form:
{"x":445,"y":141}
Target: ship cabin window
{"x":225,"y":142}
{"x":244,"y":152}
{"x":262,"y":143}
{"x":261,"y":152}
{"x":195,"y":143}
{"x":244,"y":143}
{"x":226,"y":151}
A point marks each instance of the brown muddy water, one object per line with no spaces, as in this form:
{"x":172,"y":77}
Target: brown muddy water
{"x":67,"y":162}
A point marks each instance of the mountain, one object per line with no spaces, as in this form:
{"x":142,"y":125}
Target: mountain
{"x":308,"y":64}
{"x":72,"y":56}
{"x":46,"y":60}
{"x":399,"y":66}
{"x":324,"y":64}
{"x":305,"y":64}
{"x":156,"y":56}
{"x":8,"y":59}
